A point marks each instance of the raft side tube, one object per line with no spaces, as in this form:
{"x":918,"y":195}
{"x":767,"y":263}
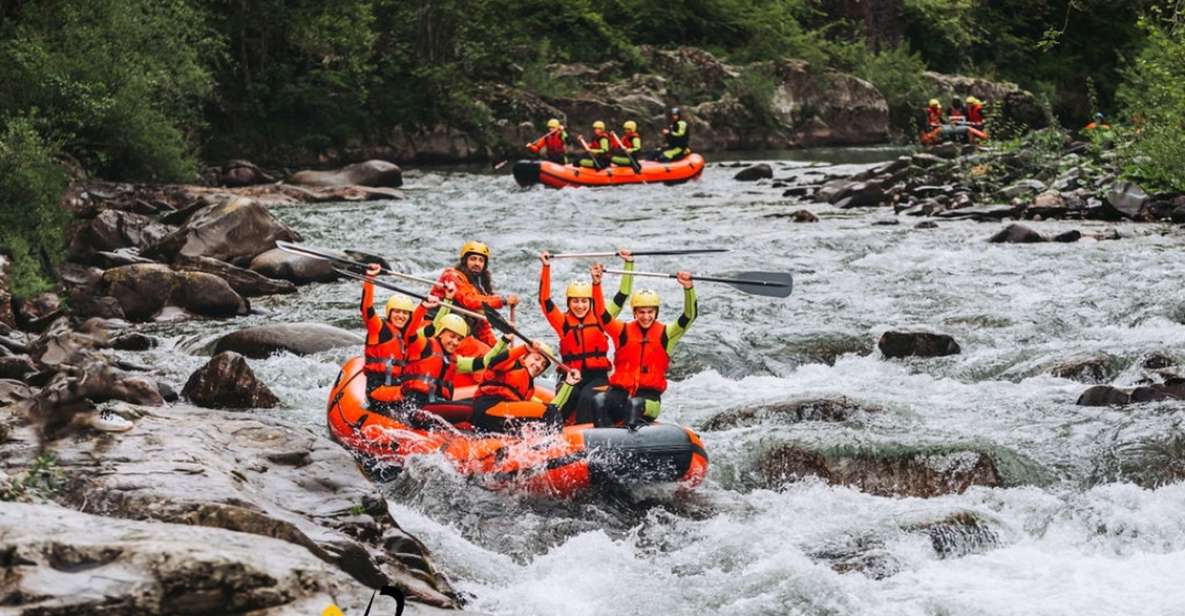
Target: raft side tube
{"x":526,"y":172}
{"x":653,"y":453}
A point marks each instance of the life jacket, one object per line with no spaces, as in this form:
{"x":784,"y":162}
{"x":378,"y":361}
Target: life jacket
{"x":679,"y":141}
{"x":934,"y":116}
{"x":975,"y":115}
{"x":431,"y":374}
{"x":627,"y":142}
{"x":583,"y":343}
{"x":470,"y":295}
{"x":957,"y":117}
{"x":514,"y":383}
{"x":641,"y":360}
{"x":599,"y":145}
{"x":386,"y":355}
{"x":554,"y":142}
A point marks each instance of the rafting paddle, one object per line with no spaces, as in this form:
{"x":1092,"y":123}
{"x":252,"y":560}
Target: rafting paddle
{"x":397,"y":289}
{"x":621,"y":145}
{"x":644,"y":253}
{"x":768,"y":284}
{"x":498,"y":322}
{"x":584,"y":144}
{"x":321,"y":253}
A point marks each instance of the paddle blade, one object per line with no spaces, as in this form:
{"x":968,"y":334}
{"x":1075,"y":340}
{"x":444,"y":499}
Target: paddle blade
{"x":766,"y":284}
{"x":496,"y":320}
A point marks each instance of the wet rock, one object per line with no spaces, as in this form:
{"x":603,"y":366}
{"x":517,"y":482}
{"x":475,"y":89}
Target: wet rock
{"x":244,"y":281}
{"x":926,"y":224}
{"x":798,"y":191}
{"x":1022,"y":188}
{"x":113,"y":229}
{"x":1086,"y":369}
{"x":981,"y":213}
{"x":226,"y":381}
{"x":1126,"y":200}
{"x":1157,"y":361}
{"x":66,"y":561}
{"x":861,"y":194}
{"x":298,"y":269}
{"x":144,"y":291}
{"x":1068,"y":237}
{"x":116,"y":258}
{"x":754,"y":173}
{"x":1171,"y":390}
{"x":1016,"y":234}
{"x":948,"y":151}
{"x":791,"y":411}
{"x":235,"y":231}
{"x":107,"y":307}
{"x":297,"y":338}
{"x":167,"y":392}
{"x":16,"y":367}
{"x":1047,"y":205}
{"x":369,"y":173}
{"x":13,"y":391}
{"x":134,"y":342}
{"x":923,"y":473}
{"x":37,"y":312}
{"x":1104,"y":395}
{"x":240,"y":173}
{"x":926,"y":161}
{"x":804,"y":216}
{"x":1178,"y":214}
{"x":958,"y":535}
{"x":916,"y":344}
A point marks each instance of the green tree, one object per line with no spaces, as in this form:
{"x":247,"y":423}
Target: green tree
{"x":31,"y":223}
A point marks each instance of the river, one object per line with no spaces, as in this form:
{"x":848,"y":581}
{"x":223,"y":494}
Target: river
{"x":1069,"y":537}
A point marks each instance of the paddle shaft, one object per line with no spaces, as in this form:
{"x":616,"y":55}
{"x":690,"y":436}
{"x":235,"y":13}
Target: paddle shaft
{"x":628,"y":154}
{"x":321,"y":253}
{"x":756,"y":283}
{"x":645,"y":253}
{"x":397,"y":289}
{"x":596,"y":163}
{"x":502,"y":324}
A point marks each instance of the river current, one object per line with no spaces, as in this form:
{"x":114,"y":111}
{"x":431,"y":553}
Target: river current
{"x":1071,"y":536}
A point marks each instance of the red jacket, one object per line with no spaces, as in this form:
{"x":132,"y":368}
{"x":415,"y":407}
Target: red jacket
{"x":509,"y":379}
{"x":471,"y":298}
{"x":583,"y":342}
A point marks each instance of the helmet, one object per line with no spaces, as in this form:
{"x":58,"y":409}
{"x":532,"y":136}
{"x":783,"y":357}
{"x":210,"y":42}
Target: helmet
{"x":579,"y":289}
{"x":475,"y":247}
{"x":547,"y":350}
{"x":598,"y":125}
{"x":1099,"y":116}
{"x":553,"y":123}
{"x":400,"y":302}
{"x":644,"y":299}
{"x":455,"y":324}
{"x":934,"y":103}
{"x":971,"y":100}
{"x":675,"y":111}
{"x":630,"y":125}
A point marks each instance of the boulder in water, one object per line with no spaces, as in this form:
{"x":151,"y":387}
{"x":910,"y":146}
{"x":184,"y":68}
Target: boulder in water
{"x":144,"y":291}
{"x":756,"y":172}
{"x":227,"y":382}
{"x":792,"y":411}
{"x":1016,"y":234}
{"x":112,"y":230}
{"x":1086,"y":369}
{"x":244,"y":281}
{"x":236,"y":232}
{"x":369,"y":173}
{"x":1104,"y":395}
{"x":298,"y":269}
{"x":917,"y":344}
{"x":134,"y":341}
{"x":1068,"y":237}
{"x":297,"y":338}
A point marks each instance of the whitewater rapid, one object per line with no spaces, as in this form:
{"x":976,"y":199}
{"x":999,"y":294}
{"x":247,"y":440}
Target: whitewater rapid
{"x":1072,"y":538}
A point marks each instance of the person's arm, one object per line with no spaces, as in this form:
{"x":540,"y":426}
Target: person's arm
{"x":430,"y":329}
{"x":550,"y":311}
{"x":416,"y":321}
{"x":676,"y":330}
{"x":635,"y":144}
{"x":680,"y":128}
{"x":468,"y":296}
{"x":373,"y":323}
{"x":495,"y":355}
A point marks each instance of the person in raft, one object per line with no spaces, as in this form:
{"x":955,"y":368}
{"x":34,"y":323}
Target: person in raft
{"x":584,"y":345}
{"x":598,"y":148}
{"x":503,"y":401}
{"x":975,"y":113}
{"x":475,"y":289}
{"x":629,"y":146}
{"x":643,"y":354}
{"x":678,"y":138}
{"x":934,"y":114}
{"x":386,"y":341}
{"x":553,"y":145}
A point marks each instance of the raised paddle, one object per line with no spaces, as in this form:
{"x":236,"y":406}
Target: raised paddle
{"x":497,"y":321}
{"x":419,"y":296}
{"x":768,"y":284}
{"x":584,"y":144}
{"x":321,"y":253}
{"x":621,"y":145}
{"x":645,"y":253}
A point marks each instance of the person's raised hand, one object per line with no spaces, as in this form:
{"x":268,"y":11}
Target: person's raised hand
{"x":625,"y":255}
{"x":373,"y":270}
{"x":684,"y":279}
{"x":545,"y":257}
{"x":512,"y":299}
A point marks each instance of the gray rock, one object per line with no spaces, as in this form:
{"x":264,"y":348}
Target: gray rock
{"x":981,"y":212}
{"x":144,"y":291}
{"x":236,"y":232}
{"x":244,"y":281}
{"x":1178,"y":214}
{"x":113,"y":229}
{"x":1023,"y":187}
{"x":298,"y":269}
{"x":916,"y":344}
{"x":227,"y":382}
{"x":859,"y":194}
{"x":1104,"y":395}
{"x":926,"y":224}
{"x":1016,"y":234}
{"x":297,"y":338}
{"x":1126,"y":200}
{"x":134,"y":342}
{"x":369,"y":173}
{"x":1068,"y":236}
{"x":16,"y":367}
{"x":13,"y":391}
{"x":756,"y":172}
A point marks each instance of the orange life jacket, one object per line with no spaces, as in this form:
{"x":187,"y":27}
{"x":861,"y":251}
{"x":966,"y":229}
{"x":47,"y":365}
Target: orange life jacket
{"x":514,"y":383}
{"x":431,"y":374}
{"x":386,"y":354}
{"x":641,"y":360}
{"x":583,"y":343}
{"x":934,"y":116}
{"x":554,"y":142}
{"x":975,"y":115}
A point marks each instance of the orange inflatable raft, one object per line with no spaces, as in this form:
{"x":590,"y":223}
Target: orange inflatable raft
{"x":530,"y":172}
{"x":538,"y":460}
{"x":961,"y":133}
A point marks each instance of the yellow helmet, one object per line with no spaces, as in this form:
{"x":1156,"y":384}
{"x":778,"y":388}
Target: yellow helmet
{"x":630,"y":125}
{"x":547,"y":350}
{"x":475,"y":247}
{"x":598,"y":125}
{"x":553,"y":123}
{"x":455,"y":324}
{"x":644,"y":299}
{"x":579,"y":289}
{"x":400,"y":302}
{"x":934,"y":103}
{"x":971,"y":100}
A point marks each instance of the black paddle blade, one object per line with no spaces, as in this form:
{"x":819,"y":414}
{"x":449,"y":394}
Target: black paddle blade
{"x":497,"y":321}
{"x":321,"y":253}
{"x":766,"y":284}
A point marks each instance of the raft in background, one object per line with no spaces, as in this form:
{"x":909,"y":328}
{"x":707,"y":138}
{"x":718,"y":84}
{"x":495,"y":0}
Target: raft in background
{"x":962,"y":133}
{"x":539,"y":461}
{"x":530,"y":172}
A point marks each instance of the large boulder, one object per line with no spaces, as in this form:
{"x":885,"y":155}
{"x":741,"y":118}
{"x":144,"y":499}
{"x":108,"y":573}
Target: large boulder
{"x":369,"y":173}
{"x":916,"y":344}
{"x":112,"y":230}
{"x":756,"y":172}
{"x":1126,"y":200}
{"x":828,"y":108}
{"x":1016,"y":234}
{"x":1104,"y":395}
{"x":244,"y":281}
{"x":237,"y":173}
{"x":262,"y":341}
{"x":226,"y":381}
{"x":235,"y":231}
{"x":298,"y":269}
{"x":143,"y":291}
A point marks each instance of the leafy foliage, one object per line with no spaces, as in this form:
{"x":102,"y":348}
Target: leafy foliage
{"x":31,"y":183}
{"x":1155,"y":100}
